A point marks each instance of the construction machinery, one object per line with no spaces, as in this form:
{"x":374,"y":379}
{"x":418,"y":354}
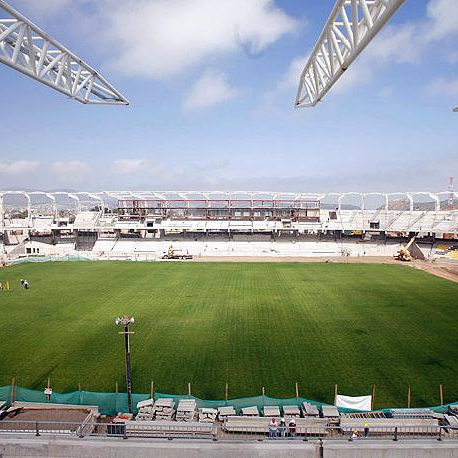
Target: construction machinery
{"x":174,"y":254}
{"x":404,"y":253}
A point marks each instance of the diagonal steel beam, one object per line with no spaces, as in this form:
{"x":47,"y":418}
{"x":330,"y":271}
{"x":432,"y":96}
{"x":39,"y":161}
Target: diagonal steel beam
{"x":349,"y":29}
{"x":28,"y":49}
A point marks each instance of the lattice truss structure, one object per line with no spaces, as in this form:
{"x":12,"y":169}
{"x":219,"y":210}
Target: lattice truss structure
{"x":350,"y":28}
{"x":28,"y":49}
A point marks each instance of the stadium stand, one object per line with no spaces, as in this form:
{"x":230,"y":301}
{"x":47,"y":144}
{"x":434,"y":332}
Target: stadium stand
{"x":143,"y":226}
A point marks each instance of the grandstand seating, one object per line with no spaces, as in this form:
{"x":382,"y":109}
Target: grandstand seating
{"x":86,"y":220}
{"x":110,"y":248}
{"x":145,"y":229}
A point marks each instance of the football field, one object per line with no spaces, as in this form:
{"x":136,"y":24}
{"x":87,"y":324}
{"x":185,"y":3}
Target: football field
{"x":251,"y":325}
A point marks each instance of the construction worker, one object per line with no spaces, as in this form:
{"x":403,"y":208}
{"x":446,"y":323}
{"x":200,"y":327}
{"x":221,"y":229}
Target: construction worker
{"x":282,"y":427}
{"x":273,"y":428}
{"x":292,"y":428}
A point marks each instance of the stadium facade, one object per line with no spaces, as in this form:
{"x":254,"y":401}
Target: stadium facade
{"x":33,"y":222}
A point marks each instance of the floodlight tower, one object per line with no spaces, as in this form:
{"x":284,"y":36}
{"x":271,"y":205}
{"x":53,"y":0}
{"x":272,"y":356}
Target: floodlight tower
{"x":127,"y":320}
{"x":28,"y":49}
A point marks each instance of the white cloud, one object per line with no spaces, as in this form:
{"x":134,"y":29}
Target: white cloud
{"x":442,"y":16}
{"x":291,"y":78}
{"x":398,"y":44}
{"x":70,"y":171}
{"x":444,"y":87}
{"x":126,"y":166}
{"x":17,"y":167}
{"x":69,"y":167}
{"x":212,"y":88}
{"x":161,"y":38}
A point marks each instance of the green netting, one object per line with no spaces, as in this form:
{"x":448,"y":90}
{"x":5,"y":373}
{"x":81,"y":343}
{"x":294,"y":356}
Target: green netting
{"x":112,"y":403}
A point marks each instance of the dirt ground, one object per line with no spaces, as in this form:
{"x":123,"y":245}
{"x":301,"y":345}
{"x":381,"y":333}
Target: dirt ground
{"x":361,"y":259}
{"x":440,"y":269}
{"x":443,"y":270}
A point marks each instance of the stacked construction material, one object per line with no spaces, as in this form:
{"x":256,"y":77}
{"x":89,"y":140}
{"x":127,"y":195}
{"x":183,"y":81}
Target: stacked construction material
{"x":311,"y":426}
{"x":271,"y":411}
{"x":451,"y":420}
{"x":310,"y":410}
{"x":250,"y":411}
{"x":453,"y":409}
{"x":382,"y":426}
{"x":411,"y":413}
{"x":207,"y":415}
{"x":163,"y":409}
{"x":330,"y":411}
{"x":170,"y":429}
{"x":186,"y":410}
{"x":291,"y":411}
{"x":145,"y":410}
{"x":224,"y":412}
{"x":365,"y":415}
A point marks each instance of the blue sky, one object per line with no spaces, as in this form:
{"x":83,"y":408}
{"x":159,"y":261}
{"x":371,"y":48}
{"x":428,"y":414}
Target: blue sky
{"x":212,"y":86}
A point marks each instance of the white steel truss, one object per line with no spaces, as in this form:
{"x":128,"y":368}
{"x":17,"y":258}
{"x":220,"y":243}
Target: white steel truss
{"x":28,"y":49}
{"x":350,"y":28}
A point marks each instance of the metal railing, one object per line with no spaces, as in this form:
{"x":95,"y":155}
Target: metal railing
{"x":395,"y":432}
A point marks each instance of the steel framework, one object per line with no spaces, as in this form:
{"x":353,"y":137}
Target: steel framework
{"x":29,"y":50}
{"x":232,"y":211}
{"x":226,"y":198}
{"x":350,"y":28}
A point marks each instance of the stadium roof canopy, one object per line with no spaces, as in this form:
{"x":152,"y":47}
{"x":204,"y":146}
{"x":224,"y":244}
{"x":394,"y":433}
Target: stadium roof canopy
{"x":105,"y":198}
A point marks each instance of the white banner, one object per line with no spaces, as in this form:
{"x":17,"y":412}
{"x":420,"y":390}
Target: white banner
{"x":354,"y":402}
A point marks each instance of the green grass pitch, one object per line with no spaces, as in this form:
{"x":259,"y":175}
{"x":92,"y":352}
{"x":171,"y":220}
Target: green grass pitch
{"x":248,"y":324}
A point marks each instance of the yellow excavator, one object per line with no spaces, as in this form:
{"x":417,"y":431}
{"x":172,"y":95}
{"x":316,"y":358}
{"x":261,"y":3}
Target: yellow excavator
{"x":404,"y":253}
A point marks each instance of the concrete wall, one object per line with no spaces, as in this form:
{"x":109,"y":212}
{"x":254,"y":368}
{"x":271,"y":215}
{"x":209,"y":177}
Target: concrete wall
{"x":119,"y":448}
{"x":387,"y":449}
{"x":28,"y":447}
